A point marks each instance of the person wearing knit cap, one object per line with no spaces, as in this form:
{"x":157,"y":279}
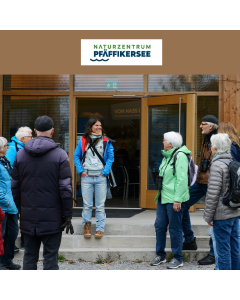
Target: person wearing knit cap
{"x":209,"y":125}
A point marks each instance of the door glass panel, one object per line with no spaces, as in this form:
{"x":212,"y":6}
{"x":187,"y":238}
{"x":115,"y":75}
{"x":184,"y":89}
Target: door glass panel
{"x":162,"y":119}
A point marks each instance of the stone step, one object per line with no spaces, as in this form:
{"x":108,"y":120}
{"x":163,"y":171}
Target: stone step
{"x":134,"y":229}
{"x":118,"y":241}
{"x":108,"y":254}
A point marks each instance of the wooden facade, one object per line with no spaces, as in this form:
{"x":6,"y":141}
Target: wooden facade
{"x":229,"y":100}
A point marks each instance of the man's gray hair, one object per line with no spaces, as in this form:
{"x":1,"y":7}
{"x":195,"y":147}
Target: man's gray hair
{"x":3,"y":142}
{"x":22,"y":132}
{"x":221,"y":142}
{"x":215,"y":126}
{"x":44,"y":133}
{"x":173,"y":137}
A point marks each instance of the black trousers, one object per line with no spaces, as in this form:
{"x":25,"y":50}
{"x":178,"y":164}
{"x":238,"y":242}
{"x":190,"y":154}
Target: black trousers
{"x":51,"y":244}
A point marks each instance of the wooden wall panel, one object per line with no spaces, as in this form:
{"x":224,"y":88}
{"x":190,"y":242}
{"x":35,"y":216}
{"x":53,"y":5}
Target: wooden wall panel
{"x":229,"y":100}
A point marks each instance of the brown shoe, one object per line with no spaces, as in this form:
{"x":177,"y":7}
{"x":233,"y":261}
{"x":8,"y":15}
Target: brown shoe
{"x":87,"y":230}
{"x":99,"y":234}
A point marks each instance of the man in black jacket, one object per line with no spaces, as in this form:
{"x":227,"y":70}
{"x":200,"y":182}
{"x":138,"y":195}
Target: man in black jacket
{"x":42,"y":191}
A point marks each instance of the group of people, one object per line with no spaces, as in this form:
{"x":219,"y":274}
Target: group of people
{"x":220,"y":146}
{"x":36,"y":184}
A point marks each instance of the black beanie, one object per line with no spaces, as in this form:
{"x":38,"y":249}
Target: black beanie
{"x":210,"y":118}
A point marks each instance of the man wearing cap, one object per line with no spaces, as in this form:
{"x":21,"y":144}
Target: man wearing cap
{"x":209,"y":125}
{"x":42,"y":191}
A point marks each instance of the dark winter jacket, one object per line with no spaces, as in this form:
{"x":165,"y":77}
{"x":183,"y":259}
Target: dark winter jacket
{"x":42,"y":187}
{"x":235,"y":152}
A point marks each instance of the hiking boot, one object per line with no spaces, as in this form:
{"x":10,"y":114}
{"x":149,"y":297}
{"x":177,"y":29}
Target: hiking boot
{"x":99,"y":234}
{"x":158,"y":260}
{"x":190,"y":246}
{"x":174,"y":264}
{"x":208,"y":260}
{"x":16,"y":249}
{"x":87,"y":230}
{"x":2,"y":268}
{"x":12,"y":266}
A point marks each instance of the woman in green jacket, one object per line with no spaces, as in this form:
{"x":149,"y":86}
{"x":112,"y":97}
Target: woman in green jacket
{"x":174,"y":192}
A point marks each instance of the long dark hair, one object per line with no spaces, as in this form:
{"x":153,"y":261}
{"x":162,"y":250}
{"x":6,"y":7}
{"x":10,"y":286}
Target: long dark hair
{"x":88,"y":128}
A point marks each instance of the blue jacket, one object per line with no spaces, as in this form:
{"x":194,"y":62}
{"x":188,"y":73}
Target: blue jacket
{"x":11,"y":151}
{"x":107,"y":150}
{"x":6,"y":192}
{"x":235,"y":152}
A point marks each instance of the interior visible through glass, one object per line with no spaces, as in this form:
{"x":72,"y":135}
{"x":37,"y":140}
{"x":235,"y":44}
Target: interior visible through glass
{"x":121,"y":122}
{"x":162,"y":119}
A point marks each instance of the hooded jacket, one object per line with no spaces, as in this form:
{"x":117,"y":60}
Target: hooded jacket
{"x":6,"y":198}
{"x":42,"y":187}
{"x":12,"y":151}
{"x":174,"y":188}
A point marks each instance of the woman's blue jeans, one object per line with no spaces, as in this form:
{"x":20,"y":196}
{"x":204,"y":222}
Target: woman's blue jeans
{"x":214,"y":247}
{"x":226,"y":234}
{"x":166,"y":215}
{"x":94,"y":185}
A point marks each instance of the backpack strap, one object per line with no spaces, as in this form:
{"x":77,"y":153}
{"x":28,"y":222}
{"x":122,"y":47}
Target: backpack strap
{"x":16,"y":147}
{"x":224,"y":161}
{"x":174,"y":162}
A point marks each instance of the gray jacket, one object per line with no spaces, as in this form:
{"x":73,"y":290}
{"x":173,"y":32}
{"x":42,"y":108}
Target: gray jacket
{"x":218,"y":185}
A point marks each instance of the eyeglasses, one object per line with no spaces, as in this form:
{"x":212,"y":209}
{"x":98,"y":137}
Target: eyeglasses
{"x":30,"y":136}
{"x":204,"y":124}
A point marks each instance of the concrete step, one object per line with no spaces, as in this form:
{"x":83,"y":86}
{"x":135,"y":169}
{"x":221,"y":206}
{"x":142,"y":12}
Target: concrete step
{"x":133,"y":229}
{"x":108,"y":254}
{"x":118,"y":241}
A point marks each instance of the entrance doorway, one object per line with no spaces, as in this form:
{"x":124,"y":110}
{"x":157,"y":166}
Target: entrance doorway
{"x":160,"y":115}
{"x":121,"y":122}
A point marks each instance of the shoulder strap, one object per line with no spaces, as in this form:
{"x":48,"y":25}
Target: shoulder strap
{"x":16,"y":146}
{"x":170,"y":160}
{"x":224,"y":161}
{"x":92,"y":146}
{"x":174,"y":162}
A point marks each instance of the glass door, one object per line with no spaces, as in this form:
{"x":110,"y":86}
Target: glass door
{"x":160,"y":115}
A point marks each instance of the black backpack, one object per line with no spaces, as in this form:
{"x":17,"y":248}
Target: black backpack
{"x":232,"y":198}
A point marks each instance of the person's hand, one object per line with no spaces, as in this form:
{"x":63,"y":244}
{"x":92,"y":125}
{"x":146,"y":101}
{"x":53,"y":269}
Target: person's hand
{"x":102,"y":175}
{"x":68,"y":225}
{"x":177,"y":206}
{"x":84,"y":174}
{"x":210,"y":223}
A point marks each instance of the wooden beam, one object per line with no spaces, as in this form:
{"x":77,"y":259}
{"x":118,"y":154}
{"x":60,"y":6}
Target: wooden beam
{"x":72,"y":133}
{"x":145,"y":84}
{"x":110,"y":94}
{"x":220,"y":101}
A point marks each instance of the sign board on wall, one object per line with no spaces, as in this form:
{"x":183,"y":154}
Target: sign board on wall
{"x":127,"y":110}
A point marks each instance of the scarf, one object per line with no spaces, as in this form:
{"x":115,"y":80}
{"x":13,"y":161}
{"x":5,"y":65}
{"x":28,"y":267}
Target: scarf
{"x":6,"y":164}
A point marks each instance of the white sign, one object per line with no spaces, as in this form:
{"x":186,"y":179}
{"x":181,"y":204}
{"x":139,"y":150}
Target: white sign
{"x":121,"y":52}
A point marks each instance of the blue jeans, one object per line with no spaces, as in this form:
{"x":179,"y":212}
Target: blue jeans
{"x":227,"y":243}
{"x":214,"y":247}
{"x":98,"y":186}
{"x":10,"y":233}
{"x":166,"y":215}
